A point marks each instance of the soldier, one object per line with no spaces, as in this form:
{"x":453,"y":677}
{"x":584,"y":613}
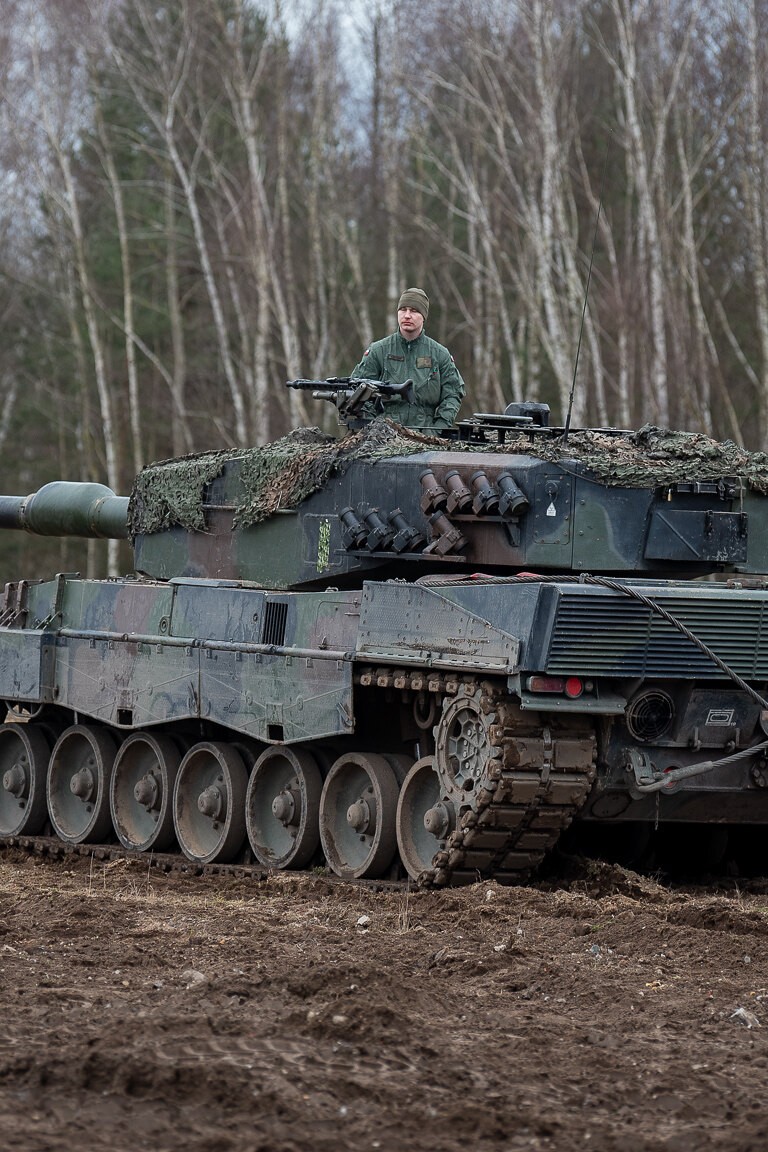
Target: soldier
{"x":409,"y":354}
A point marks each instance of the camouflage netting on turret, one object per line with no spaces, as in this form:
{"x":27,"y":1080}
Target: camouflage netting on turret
{"x":283,"y":474}
{"x":274,"y":477}
{"x":650,"y":457}
{"x":170,"y":492}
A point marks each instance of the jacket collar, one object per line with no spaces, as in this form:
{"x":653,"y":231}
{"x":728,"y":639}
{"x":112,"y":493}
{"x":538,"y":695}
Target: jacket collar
{"x":410,"y":343}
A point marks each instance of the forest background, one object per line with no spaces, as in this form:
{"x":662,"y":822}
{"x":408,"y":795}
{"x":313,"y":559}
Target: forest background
{"x":202,"y":199}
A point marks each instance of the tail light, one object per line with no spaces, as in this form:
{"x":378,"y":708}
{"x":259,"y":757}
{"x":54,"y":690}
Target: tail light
{"x":570,"y":686}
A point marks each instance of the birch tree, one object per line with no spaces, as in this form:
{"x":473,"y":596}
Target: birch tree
{"x":755,"y":192}
{"x":50,"y":70}
{"x":157,"y":72}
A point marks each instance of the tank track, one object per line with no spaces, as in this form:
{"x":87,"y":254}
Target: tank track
{"x":168,"y":862}
{"x":173,"y":863}
{"x":534,"y":781}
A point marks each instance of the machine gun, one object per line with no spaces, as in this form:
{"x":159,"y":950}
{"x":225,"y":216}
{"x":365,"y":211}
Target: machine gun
{"x":351,"y":394}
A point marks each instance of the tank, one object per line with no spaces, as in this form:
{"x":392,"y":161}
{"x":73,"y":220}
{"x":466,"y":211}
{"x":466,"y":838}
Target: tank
{"x":399,"y":655}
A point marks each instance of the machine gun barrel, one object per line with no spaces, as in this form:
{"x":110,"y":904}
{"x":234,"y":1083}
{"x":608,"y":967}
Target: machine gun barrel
{"x":356,"y":398}
{"x":336,"y":384}
{"x":65,"y":508}
{"x":337,"y":389}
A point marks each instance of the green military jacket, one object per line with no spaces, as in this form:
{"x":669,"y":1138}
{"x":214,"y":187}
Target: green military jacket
{"x":437,"y":385}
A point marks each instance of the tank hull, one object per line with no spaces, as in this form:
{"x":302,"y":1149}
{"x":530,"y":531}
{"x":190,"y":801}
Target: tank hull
{"x":303,"y":717}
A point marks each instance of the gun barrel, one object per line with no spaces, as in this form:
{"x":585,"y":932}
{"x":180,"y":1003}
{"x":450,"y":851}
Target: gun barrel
{"x":334,"y":385}
{"x":65,"y":508}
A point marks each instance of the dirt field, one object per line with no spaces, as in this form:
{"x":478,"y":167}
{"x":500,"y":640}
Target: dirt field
{"x":141,"y":1011}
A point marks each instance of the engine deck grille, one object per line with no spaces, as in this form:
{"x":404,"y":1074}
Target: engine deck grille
{"x":595,"y":634}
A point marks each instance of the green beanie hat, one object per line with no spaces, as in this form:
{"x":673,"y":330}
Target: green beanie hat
{"x":415,"y":298}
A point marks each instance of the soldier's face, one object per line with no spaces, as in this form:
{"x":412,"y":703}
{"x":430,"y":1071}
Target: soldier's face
{"x":410,"y":322}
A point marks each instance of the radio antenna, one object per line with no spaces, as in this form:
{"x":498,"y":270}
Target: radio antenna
{"x":586,"y":296}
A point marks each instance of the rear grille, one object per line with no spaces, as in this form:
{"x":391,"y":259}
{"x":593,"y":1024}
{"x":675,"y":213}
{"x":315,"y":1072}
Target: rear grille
{"x":595,"y":634}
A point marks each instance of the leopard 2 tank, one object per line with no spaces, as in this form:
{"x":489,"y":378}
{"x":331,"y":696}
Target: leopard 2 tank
{"x":398,"y":654}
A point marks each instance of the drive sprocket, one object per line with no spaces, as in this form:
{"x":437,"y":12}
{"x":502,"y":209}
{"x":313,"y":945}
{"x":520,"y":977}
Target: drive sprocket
{"x":514,"y":780}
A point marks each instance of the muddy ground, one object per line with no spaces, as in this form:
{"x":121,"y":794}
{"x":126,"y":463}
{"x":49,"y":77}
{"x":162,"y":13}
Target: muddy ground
{"x":605,"y":1011}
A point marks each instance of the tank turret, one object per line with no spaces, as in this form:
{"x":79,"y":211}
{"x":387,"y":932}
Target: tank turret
{"x":389,"y":504}
{"x":501,"y":494}
{"x":393,"y":653}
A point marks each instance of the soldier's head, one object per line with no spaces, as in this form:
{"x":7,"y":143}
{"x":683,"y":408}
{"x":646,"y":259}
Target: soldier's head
{"x":412,"y":311}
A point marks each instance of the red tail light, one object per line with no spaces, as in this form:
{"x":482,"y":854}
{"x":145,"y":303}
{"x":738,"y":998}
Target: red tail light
{"x":570,"y":686}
